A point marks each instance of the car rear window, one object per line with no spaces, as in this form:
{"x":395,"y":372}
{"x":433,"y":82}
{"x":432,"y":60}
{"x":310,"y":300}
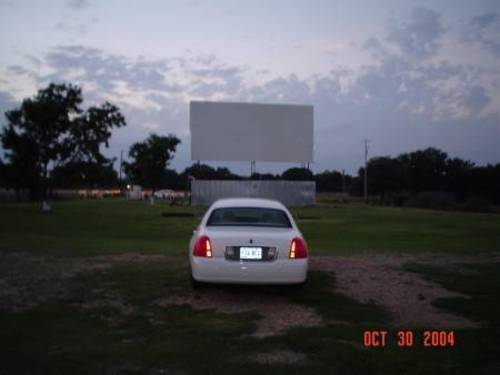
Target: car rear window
{"x":249,"y":216}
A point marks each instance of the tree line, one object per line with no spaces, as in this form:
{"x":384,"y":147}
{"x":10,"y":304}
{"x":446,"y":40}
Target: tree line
{"x":50,"y":141}
{"x":429,"y":174}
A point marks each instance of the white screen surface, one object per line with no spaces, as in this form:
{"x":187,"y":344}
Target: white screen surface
{"x":248,"y":131}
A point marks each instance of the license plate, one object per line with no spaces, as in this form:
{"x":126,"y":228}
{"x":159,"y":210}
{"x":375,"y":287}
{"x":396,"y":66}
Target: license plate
{"x":250,"y":252}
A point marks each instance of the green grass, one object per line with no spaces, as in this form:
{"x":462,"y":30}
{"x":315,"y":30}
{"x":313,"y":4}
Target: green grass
{"x":58,"y":336}
{"x":347,"y":229}
{"x":95,"y":227}
{"x":116,"y":226}
{"x":478,"y":350}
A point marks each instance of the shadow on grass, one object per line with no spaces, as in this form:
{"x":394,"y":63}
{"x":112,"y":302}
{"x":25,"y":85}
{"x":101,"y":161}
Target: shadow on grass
{"x":60,"y":337}
{"x":478,"y":349}
{"x":64,"y":337}
{"x":177,"y":214}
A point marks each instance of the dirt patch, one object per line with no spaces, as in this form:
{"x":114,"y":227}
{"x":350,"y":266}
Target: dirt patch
{"x":28,"y":280}
{"x":276,"y":313}
{"x":111,"y":260}
{"x":380,"y":279}
{"x":352,"y":344}
{"x":280,"y":357}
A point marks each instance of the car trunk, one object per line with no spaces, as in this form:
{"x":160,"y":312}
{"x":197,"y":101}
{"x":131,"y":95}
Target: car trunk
{"x":224,"y":236}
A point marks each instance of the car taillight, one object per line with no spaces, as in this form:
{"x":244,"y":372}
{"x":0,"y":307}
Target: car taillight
{"x":298,"y":249}
{"x":202,"y":247}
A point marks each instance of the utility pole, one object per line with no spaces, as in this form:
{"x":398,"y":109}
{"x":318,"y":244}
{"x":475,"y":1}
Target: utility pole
{"x":367,"y":143}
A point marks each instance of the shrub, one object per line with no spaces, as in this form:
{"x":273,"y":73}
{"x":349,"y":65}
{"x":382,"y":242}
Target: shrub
{"x":477,"y":204}
{"x":432,"y":199}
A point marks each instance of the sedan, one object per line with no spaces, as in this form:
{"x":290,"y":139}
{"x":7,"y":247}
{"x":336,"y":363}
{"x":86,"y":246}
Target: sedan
{"x":248,"y":241}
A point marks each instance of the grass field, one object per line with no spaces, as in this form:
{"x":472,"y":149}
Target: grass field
{"x":70,"y":304}
{"x":103,"y":227}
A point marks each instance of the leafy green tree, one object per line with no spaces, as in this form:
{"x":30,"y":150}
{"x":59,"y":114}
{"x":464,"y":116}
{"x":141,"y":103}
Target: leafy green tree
{"x":50,"y":130}
{"x":37,"y":134}
{"x":264,"y":176}
{"x":150,"y":160}
{"x":385,"y":176}
{"x":297,"y":174}
{"x":84,"y":174}
{"x":206,"y":172}
{"x":424,"y":170}
{"x":171,"y":180}
{"x":458,"y":179}
{"x":199,"y":172}
{"x":332,"y":181}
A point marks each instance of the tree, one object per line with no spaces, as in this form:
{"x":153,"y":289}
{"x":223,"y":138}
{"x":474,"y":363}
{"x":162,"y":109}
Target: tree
{"x":297,"y":174}
{"x":206,"y":172}
{"x":485,"y":182}
{"x":457,"y":177}
{"x":88,"y":174}
{"x":50,"y":130}
{"x":171,"y":180}
{"x":150,"y":160}
{"x":199,"y":172}
{"x":89,"y":131}
{"x":264,"y":176}
{"x":332,"y":181}
{"x":386,"y":176}
{"x":424,"y":170}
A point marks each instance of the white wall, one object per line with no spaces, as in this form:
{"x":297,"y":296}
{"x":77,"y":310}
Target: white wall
{"x":290,"y":193}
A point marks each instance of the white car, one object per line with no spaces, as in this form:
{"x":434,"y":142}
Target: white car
{"x":248,"y":241}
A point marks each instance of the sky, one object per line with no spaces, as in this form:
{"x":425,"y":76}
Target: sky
{"x":405,"y":75}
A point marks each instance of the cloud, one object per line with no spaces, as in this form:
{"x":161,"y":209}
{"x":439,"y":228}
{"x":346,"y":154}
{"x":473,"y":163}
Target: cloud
{"x":79,"y":28}
{"x":419,"y":36}
{"x":289,"y":89}
{"x":475,"y":98}
{"x":402,"y":99}
{"x":7,"y":102}
{"x":18,"y":70}
{"x":201,"y":76}
{"x":84,"y":64}
{"x":215,"y":79}
{"x":483,"y":31}
{"x":78,"y":4}
{"x":484,"y":20}
{"x":405,"y":76}
{"x":376,"y":48}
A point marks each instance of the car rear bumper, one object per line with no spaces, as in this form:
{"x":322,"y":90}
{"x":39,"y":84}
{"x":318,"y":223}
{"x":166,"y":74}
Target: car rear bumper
{"x":220,"y":270}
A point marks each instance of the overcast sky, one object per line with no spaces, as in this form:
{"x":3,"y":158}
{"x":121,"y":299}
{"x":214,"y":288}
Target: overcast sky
{"x":404,"y":74}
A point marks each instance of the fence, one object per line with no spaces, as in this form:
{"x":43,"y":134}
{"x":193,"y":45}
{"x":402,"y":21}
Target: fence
{"x":290,"y":193}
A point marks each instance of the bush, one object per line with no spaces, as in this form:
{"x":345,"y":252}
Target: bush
{"x":396,"y":199}
{"x":477,"y":204}
{"x":432,"y":199}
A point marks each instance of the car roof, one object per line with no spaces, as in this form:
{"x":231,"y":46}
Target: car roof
{"x":247,"y":202}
